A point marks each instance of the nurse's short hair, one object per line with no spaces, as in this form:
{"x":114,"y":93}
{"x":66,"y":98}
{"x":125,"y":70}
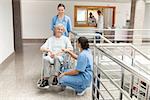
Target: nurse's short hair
{"x":84,"y":42}
{"x":59,"y":25}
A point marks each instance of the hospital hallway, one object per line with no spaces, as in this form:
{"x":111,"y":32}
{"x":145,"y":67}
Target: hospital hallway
{"x":20,"y":73}
{"x":116,"y":31}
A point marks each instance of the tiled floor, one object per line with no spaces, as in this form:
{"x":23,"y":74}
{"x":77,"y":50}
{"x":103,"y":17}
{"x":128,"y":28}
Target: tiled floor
{"x":19,"y":74}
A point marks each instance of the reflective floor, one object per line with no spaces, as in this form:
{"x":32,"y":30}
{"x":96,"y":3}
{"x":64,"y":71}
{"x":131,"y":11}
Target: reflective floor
{"x":19,"y":74}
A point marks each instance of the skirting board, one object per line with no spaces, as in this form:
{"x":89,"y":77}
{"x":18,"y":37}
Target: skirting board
{"x":8,"y":59}
{"x":34,"y":40}
{"x":146,"y":40}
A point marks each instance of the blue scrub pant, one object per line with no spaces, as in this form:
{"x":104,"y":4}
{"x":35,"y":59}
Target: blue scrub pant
{"x":76,"y":82}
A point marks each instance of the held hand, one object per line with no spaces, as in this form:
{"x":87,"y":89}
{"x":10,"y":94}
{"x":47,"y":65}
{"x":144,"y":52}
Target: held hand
{"x":61,"y":75}
{"x":59,"y":53}
{"x":51,"y":54}
{"x":65,"y":50}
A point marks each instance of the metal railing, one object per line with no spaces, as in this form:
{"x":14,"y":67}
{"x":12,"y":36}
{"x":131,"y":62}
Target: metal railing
{"x":122,"y":53}
{"x":134,"y":36}
{"x":131,"y":77}
{"x":126,"y":71}
{"x":90,"y":36}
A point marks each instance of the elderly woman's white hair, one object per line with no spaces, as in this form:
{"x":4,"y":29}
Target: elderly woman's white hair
{"x":59,"y":25}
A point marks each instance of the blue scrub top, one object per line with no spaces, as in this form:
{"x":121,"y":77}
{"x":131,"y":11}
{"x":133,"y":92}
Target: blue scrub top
{"x":66,"y":21}
{"x":85,"y":65}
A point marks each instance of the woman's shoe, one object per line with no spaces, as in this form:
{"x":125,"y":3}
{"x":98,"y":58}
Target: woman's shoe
{"x":44,"y":84}
{"x":39,"y":82}
{"x":55,"y":80}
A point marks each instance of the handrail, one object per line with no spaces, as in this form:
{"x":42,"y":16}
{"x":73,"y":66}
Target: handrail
{"x":121,"y":37}
{"x":116,"y":45}
{"x":131,"y":69}
{"x":140,"y":52}
{"x":91,"y":34}
{"x":111,"y":80}
{"x":74,"y":33}
{"x":125,"y":45}
{"x":116,"y":29}
{"x":122,"y":44}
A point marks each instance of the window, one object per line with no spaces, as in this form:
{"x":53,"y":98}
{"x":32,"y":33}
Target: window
{"x":81,"y":15}
{"x":86,"y":16}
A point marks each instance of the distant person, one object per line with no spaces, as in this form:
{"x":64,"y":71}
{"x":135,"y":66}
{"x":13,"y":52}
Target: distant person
{"x":100,"y":25}
{"x":100,"y":22}
{"x":63,"y":19}
{"x":91,"y":19}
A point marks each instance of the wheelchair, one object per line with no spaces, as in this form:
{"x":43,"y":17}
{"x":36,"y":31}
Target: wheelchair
{"x":67,"y":63}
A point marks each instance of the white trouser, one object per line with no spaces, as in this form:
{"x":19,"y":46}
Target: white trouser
{"x":48,"y":63}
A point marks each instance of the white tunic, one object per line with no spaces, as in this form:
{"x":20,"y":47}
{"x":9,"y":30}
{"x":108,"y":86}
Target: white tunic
{"x":100,"y":23}
{"x":56,"y":44}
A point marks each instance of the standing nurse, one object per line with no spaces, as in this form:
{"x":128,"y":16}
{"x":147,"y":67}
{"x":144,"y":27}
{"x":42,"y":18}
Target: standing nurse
{"x":80,"y":77}
{"x":63,"y":19}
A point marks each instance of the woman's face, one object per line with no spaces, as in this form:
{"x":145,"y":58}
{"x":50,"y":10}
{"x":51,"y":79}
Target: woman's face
{"x":78,"y":45}
{"x":61,"y":10}
{"x":58,"y":31}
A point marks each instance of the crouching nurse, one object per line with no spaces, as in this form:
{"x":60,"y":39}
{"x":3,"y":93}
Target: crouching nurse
{"x":80,"y":77}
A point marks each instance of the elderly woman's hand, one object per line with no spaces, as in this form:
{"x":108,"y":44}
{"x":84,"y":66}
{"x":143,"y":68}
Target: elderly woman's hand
{"x":65,"y":50}
{"x":51,"y":54}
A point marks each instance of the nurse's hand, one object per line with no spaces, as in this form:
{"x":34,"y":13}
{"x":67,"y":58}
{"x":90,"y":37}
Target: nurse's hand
{"x":64,"y":50}
{"x":61,"y":75}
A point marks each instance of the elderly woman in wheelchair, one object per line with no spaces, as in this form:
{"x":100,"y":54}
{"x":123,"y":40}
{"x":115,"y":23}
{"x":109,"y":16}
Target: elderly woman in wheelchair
{"x":53,"y":56}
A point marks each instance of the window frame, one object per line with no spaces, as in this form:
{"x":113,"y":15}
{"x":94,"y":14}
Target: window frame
{"x":91,"y":8}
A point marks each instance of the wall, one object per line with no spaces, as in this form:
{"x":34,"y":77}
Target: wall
{"x":6,"y":30}
{"x":147,"y":21}
{"x":147,"y":1}
{"x":37,"y":14}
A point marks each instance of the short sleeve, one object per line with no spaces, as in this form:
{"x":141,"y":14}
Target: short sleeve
{"x":81,"y":63}
{"x":47,"y":44}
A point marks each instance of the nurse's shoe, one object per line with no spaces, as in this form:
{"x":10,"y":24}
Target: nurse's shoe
{"x":63,"y":88}
{"x":81,"y":93}
{"x":44,"y":84}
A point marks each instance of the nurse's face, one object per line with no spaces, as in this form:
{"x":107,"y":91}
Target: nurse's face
{"x":61,"y":10}
{"x":78,"y":45}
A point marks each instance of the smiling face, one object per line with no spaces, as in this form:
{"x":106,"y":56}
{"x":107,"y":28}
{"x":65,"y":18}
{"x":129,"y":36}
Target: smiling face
{"x":59,"y":31}
{"x":61,"y":10}
{"x":78,"y":44}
